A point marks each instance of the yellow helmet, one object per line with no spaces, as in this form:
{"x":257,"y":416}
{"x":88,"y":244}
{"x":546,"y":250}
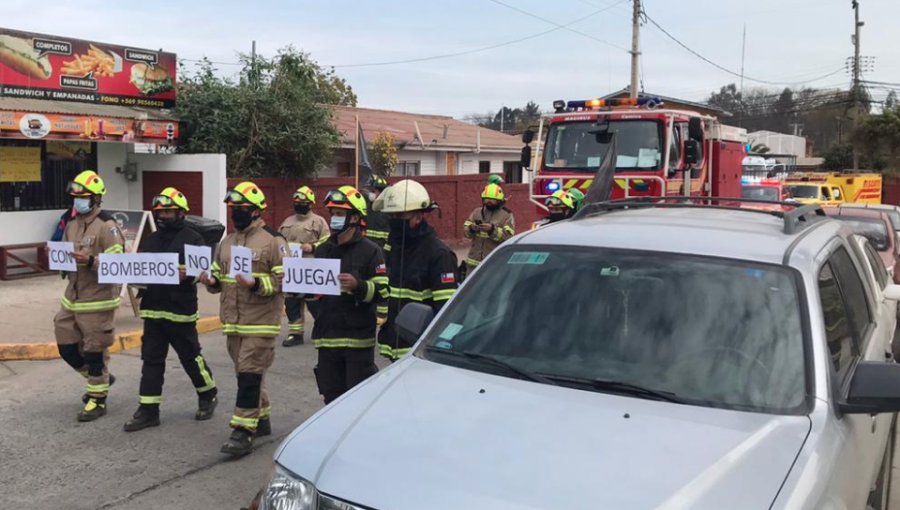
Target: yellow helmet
{"x":377,"y":182}
{"x":305,"y":193}
{"x":403,"y":196}
{"x":170,"y":198}
{"x":560,"y":198}
{"x":246,"y":193}
{"x":493,"y":192}
{"x":87,"y":183}
{"x":346,"y":197}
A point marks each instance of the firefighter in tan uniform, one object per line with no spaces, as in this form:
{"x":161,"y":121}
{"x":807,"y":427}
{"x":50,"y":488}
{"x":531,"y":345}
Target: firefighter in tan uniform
{"x":85,"y":324}
{"x":308,"y":230}
{"x":488,"y":226}
{"x":250,"y":311}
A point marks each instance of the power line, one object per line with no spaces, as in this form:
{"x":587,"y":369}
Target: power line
{"x":725,"y":69}
{"x":583,"y":34}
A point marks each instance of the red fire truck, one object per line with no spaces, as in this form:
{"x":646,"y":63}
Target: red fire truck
{"x":659,"y":151}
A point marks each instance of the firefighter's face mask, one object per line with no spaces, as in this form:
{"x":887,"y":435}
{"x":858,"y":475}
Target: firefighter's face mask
{"x":83,"y":205}
{"x":242,"y":216}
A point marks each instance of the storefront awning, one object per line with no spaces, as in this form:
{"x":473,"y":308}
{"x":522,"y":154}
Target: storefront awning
{"x":36,"y":119}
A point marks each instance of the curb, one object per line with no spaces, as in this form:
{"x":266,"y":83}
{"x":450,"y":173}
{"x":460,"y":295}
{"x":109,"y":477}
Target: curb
{"x":124,"y":341}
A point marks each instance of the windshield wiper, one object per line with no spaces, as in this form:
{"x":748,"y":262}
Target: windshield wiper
{"x":622,"y":387}
{"x":521,"y":372}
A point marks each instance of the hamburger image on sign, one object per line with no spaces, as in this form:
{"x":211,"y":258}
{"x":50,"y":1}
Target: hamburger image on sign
{"x":151,"y":79}
{"x":19,"y":55}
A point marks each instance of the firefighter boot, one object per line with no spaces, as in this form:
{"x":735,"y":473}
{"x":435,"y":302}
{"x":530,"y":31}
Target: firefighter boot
{"x":264,"y":428}
{"x":205,"y":408}
{"x":239,"y":444}
{"x":86,"y":397}
{"x":292,"y":340}
{"x":146,"y":416}
{"x":93,"y":409}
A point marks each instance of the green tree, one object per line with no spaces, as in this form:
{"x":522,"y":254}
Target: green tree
{"x":383,"y":154}
{"x":273,"y":121}
{"x":878,"y":138}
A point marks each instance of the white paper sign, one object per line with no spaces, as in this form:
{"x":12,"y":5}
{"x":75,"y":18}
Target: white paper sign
{"x":60,"y":256}
{"x":312,"y":276}
{"x":197,"y":259}
{"x":145,"y":268}
{"x":296,"y":249}
{"x":241,"y":261}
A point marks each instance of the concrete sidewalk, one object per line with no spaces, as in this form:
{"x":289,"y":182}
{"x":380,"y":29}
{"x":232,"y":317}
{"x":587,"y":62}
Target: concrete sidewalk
{"x":27,"y":308}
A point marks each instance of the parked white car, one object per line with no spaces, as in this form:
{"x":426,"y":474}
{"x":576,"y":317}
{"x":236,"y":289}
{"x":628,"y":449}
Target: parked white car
{"x":654,"y":357}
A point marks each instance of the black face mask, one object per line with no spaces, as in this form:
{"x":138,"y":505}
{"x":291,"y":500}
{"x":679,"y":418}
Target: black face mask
{"x":170,"y":223}
{"x":301,"y":208}
{"x":398,"y":225}
{"x":557,"y":216}
{"x":492,"y":207}
{"x":242,"y":217}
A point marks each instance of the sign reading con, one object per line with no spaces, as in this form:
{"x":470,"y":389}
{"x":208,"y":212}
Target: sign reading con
{"x":312,"y":276}
{"x":138,"y":268}
{"x":57,"y":68}
{"x":60,"y":256}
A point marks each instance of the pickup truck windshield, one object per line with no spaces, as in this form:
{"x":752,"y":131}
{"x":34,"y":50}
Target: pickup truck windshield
{"x":701,"y":331}
{"x":571,"y":147}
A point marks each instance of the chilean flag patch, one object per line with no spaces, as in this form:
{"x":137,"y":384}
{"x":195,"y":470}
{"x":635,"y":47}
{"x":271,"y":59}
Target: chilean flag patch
{"x":380,"y":269}
{"x":448,"y":278}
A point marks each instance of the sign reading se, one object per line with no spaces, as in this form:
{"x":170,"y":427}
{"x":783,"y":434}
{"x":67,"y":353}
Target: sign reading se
{"x":312,"y":276}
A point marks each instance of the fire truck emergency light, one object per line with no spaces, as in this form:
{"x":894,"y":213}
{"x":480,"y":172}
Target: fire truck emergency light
{"x":552,"y":187}
{"x":650,"y":102}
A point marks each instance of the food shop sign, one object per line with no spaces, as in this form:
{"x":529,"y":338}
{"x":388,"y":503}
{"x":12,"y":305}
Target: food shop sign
{"x":48,"y":67}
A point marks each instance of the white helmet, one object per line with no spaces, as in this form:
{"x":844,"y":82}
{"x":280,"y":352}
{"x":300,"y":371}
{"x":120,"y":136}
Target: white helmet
{"x":406,"y":195}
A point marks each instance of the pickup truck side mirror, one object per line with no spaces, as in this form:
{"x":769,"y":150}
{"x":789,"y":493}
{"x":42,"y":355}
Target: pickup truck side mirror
{"x":693,"y":152}
{"x":874,"y":389}
{"x":412,"y":321}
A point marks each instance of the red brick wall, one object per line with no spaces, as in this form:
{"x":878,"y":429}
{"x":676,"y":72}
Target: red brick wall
{"x":457,"y":196}
{"x":890,"y":190}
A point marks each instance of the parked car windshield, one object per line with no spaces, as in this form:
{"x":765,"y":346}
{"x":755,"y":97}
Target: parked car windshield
{"x":705,"y":331}
{"x":570,"y":146}
{"x":760,"y":193}
{"x":874,"y":229}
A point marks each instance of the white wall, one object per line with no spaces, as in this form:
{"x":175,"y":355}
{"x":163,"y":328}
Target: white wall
{"x":19,"y":227}
{"x":118,"y":189}
{"x":215,"y":181}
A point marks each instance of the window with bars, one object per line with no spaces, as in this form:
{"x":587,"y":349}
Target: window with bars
{"x":58,"y":167}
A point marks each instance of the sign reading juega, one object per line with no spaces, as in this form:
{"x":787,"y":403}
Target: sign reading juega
{"x":56,"y":68}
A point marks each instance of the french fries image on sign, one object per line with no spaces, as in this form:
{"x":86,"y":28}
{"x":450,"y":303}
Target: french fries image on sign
{"x":94,"y":61}
{"x":19,"y":55}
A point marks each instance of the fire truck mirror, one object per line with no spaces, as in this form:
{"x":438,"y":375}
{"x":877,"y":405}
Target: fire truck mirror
{"x":527,"y":136}
{"x":695,"y":129}
{"x":693,"y":153}
{"x":525,"y":160}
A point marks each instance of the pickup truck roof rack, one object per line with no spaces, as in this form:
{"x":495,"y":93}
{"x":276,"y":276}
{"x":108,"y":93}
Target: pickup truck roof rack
{"x":795,"y":216}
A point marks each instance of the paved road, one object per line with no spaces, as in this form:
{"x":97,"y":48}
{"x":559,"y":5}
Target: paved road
{"x":49,"y":461}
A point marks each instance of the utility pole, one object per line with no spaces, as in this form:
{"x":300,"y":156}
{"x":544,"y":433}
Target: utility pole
{"x":856,"y":69}
{"x":635,"y":48}
{"x":743,"y":55}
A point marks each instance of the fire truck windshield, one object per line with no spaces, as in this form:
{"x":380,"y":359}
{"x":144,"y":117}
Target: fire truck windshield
{"x":803,"y":191}
{"x":571,"y":147}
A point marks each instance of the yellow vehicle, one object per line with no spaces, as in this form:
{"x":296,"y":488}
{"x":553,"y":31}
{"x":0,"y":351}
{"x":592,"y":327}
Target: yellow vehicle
{"x":834,"y":188}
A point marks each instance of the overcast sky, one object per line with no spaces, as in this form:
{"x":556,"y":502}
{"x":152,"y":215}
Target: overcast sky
{"x":788,"y":41}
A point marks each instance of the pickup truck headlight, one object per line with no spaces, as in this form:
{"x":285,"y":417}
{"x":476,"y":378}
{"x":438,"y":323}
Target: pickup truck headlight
{"x":288,"y":492}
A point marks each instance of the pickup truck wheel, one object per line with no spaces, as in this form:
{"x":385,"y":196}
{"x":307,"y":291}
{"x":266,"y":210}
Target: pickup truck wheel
{"x":880,"y":498}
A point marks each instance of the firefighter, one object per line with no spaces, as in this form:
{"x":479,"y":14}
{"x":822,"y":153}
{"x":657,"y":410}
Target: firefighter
{"x":560,"y":205}
{"x":309,"y":230}
{"x":170,"y":318}
{"x":85,"y":325}
{"x":421,"y":268}
{"x":344,"y":330}
{"x":488,"y":226}
{"x":250,"y":312}
{"x":376,"y":222}
{"x":577,"y":199}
